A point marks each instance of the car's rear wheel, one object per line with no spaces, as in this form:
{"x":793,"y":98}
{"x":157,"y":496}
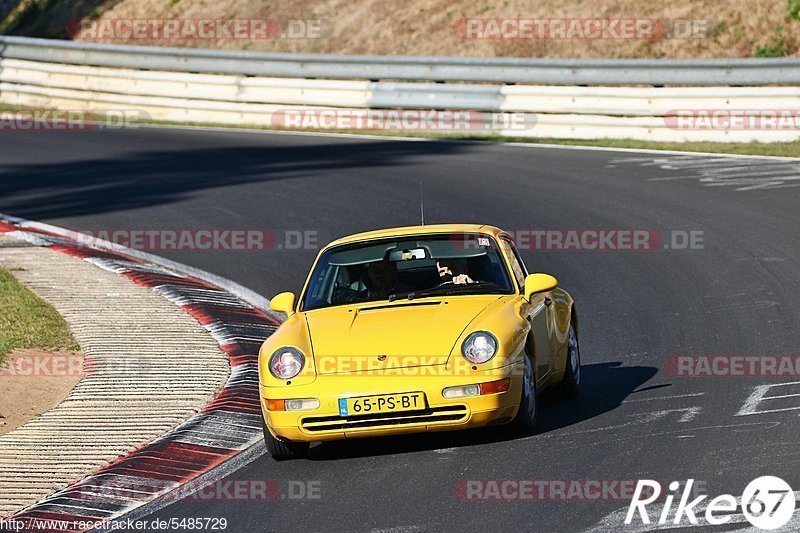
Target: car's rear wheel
{"x":281,"y":450}
{"x":525,"y":421}
{"x":571,"y":384}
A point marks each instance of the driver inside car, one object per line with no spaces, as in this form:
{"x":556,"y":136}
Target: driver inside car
{"x":378,"y":282}
{"x":382,"y":277}
{"x":454,"y":270}
{"x":382,"y":280}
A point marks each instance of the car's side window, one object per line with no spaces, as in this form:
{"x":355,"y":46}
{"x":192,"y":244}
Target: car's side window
{"x":516,"y":263}
{"x":519,"y":259}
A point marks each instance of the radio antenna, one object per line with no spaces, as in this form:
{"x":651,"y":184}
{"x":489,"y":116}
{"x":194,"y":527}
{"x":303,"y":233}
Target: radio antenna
{"x":421,"y":205}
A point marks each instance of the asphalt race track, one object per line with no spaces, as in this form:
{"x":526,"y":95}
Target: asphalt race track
{"x":738,"y":293}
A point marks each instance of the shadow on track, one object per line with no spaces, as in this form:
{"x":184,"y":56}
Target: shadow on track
{"x":89,"y":185}
{"x":605,"y":386}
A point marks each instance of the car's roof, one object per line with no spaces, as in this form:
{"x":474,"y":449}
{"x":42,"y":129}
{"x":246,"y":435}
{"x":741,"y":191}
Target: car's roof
{"x":418,"y":230}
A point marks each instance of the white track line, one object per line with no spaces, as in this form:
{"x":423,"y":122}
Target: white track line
{"x":463,"y":141}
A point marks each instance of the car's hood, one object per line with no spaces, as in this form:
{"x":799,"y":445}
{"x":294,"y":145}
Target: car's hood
{"x":408,"y":333}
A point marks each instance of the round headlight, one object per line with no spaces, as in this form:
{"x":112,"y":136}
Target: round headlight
{"x":286,"y":363}
{"x":479,"y":347}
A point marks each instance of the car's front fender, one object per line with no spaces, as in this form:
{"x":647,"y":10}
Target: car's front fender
{"x":294,"y":333}
{"x":505,"y":320}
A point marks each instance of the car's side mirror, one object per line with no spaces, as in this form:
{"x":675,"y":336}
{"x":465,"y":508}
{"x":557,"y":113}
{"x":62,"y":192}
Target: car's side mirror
{"x":283,"y":303}
{"x":536,"y":283}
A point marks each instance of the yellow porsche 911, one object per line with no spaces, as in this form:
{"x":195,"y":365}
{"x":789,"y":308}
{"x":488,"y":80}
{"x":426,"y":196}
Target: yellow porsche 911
{"x":424,"y":328}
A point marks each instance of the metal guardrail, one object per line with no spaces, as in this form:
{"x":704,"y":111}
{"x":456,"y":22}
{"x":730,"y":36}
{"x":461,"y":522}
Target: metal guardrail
{"x":98,"y":82}
{"x":547,"y":98}
{"x":655,"y":72}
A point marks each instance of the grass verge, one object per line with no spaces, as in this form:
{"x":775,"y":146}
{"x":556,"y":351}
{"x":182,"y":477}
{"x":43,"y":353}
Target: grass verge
{"x":27,"y":321}
{"x":779,"y":149}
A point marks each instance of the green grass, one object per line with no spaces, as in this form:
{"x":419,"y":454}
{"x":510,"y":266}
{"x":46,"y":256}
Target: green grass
{"x":794,"y":9}
{"x":26,"y":321}
{"x":776,"y":48}
{"x":782,"y":149}
{"x":717,"y":30}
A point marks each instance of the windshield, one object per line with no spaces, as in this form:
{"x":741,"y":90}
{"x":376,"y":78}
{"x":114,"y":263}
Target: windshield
{"x":407,"y":268}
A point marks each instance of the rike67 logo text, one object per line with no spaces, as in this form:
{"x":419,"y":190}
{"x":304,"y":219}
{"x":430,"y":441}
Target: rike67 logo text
{"x":767,"y":502}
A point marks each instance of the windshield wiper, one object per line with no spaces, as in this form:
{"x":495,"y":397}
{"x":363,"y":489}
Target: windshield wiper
{"x":398,"y":295}
{"x":486,"y":287}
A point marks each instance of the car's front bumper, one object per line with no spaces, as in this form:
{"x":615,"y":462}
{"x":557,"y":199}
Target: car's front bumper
{"x":441,"y":414}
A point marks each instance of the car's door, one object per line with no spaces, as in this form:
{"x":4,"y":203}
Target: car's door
{"x":537,"y":315}
{"x":539,"y":328}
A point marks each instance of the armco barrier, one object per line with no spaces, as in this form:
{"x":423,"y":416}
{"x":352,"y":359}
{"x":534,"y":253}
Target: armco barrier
{"x":498,"y":70}
{"x":247,"y":88}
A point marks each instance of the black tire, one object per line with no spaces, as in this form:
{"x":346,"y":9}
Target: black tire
{"x":281,"y":450}
{"x":525,"y":421}
{"x":571,"y":383}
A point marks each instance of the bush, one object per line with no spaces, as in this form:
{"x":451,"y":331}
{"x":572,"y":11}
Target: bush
{"x":777,"y":48}
{"x":794,"y":9}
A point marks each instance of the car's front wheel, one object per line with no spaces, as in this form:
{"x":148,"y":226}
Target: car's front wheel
{"x":525,"y":422}
{"x":281,"y":450}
